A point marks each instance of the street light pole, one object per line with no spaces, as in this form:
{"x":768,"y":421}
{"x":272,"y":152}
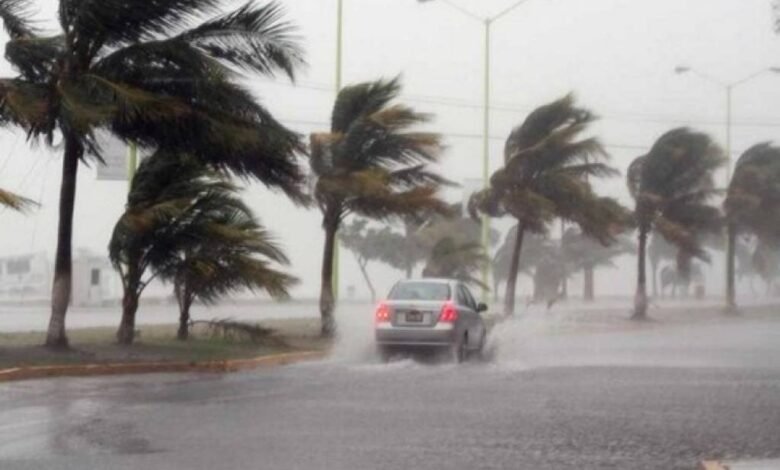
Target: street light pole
{"x":729,"y":88}
{"x":488,"y":23}
{"x":339,"y":76}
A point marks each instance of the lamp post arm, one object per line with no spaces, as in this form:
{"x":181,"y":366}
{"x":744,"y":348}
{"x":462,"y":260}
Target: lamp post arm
{"x":507,"y":11}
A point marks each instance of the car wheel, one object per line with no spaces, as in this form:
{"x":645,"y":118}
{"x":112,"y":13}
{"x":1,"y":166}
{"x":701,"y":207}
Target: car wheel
{"x":459,"y":351}
{"x":384,"y":353}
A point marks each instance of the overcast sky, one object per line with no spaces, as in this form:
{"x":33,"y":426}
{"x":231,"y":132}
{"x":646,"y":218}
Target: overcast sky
{"x":618,"y":56}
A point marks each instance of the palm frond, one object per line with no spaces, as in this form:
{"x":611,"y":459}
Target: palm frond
{"x":15,"y":202}
{"x":15,"y":15}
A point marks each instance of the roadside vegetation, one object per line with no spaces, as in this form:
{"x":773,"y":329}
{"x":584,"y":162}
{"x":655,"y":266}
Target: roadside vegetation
{"x":169,"y":78}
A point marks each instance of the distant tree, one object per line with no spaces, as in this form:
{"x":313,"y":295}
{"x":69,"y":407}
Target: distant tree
{"x":583,"y":253}
{"x":456,"y":260}
{"x":752,"y":207}
{"x":545,"y":176}
{"x":673,"y":186}
{"x":367,"y":244}
{"x":142,"y":71}
{"x":766,"y":262}
{"x":183,"y":223}
{"x":658,"y":251}
{"x":373,"y":164}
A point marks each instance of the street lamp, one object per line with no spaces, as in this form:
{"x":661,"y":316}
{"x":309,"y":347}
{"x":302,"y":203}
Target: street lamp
{"x":729,"y":88}
{"x":487,"y":22}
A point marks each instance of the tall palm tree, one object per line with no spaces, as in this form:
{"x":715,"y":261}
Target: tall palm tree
{"x":136,"y":70}
{"x":545,"y":176}
{"x":673,"y":186}
{"x":184,"y":224}
{"x":373,"y":164}
{"x":752,"y":205}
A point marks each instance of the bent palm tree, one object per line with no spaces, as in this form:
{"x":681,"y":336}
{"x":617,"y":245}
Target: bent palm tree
{"x":582,"y":253}
{"x":132,"y":70}
{"x":454,"y":259}
{"x":372,"y":164}
{"x":672,"y":186}
{"x":545,"y":176}
{"x":183,"y":223}
{"x":752,"y":205}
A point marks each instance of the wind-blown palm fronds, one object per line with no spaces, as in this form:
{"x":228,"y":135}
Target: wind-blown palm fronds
{"x":185,"y":224}
{"x":162,"y":74}
{"x":546,"y":176}
{"x":673,"y":186}
{"x":372,"y":163}
{"x":15,"y":202}
{"x":752,"y":205}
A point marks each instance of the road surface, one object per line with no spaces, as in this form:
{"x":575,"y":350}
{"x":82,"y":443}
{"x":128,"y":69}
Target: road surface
{"x":662,"y":398}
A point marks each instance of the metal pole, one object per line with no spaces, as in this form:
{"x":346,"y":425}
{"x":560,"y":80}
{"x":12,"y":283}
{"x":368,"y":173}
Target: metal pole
{"x":339,"y":63}
{"x":486,"y":161}
{"x":729,"y":95}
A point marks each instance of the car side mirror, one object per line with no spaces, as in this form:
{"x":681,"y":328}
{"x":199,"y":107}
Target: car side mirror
{"x":482,"y":307}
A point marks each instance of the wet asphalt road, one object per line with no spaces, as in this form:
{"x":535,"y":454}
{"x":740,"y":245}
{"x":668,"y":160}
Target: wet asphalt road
{"x":659,"y":399}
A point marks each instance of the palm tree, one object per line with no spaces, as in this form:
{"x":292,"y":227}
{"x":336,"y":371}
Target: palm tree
{"x":752,"y":205}
{"x":545,"y":176}
{"x":672,"y":186}
{"x":582,"y":253}
{"x":132,"y":70}
{"x":453,"y":259}
{"x":372,"y":164}
{"x":183,"y":223}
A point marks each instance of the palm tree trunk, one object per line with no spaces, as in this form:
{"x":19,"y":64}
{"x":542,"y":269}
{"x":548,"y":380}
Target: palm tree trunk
{"x":640,"y":301}
{"x":327,"y":303}
{"x":511,"y":283}
{"x":184,"y":299}
{"x":126,"y":333}
{"x":731,"y":297}
{"x":654,"y":273}
{"x":56,"y":337}
{"x":589,"y":284}
{"x":362,"y":264}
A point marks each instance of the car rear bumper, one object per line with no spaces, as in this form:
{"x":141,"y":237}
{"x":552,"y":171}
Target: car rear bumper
{"x":439,"y":335}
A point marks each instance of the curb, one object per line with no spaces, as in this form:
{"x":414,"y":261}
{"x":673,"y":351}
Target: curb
{"x":90,"y":370}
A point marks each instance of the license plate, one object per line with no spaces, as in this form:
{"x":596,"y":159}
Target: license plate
{"x":414,"y":317}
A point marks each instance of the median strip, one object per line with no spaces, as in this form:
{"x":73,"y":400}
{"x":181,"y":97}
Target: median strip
{"x":224,"y":366}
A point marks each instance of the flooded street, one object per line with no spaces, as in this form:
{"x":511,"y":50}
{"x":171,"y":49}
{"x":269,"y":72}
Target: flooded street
{"x":657,"y":398}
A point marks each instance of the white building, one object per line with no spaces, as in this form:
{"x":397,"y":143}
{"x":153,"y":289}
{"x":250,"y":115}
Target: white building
{"x":28,"y":278}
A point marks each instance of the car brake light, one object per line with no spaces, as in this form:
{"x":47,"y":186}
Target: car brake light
{"x":449,"y":314}
{"x":382,"y":314}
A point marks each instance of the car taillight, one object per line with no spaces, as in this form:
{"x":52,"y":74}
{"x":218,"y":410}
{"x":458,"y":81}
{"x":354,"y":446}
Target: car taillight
{"x":449,"y":314}
{"x":382,"y":314}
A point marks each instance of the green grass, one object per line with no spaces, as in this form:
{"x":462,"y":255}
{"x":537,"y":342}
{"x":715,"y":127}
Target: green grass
{"x":156,"y":344}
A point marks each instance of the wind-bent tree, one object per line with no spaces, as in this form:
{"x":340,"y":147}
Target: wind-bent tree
{"x":138,"y":71}
{"x":673,"y":186}
{"x":185,"y":224}
{"x":371,"y":163}
{"x":452,"y":259}
{"x":546,"y":176}
{"x":752,"y":206}
{"x":658,"y":250}
{"x":367,"y":244}
{"x":582,"y":253}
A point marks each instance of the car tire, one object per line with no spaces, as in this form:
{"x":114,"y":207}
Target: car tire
{"x":384,"y":353}
{"x":459,"y":351}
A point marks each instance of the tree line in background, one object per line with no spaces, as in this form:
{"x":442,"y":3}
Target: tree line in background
{"x":129,"y":70}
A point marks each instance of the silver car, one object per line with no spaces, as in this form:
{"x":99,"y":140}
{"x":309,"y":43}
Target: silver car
{"x":430,"y":313}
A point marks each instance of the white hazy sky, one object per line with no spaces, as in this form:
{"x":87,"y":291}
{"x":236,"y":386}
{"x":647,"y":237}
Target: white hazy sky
{"x":618,"y":56}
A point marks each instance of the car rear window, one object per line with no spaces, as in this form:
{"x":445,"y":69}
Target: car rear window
{"x":420,"y":291}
